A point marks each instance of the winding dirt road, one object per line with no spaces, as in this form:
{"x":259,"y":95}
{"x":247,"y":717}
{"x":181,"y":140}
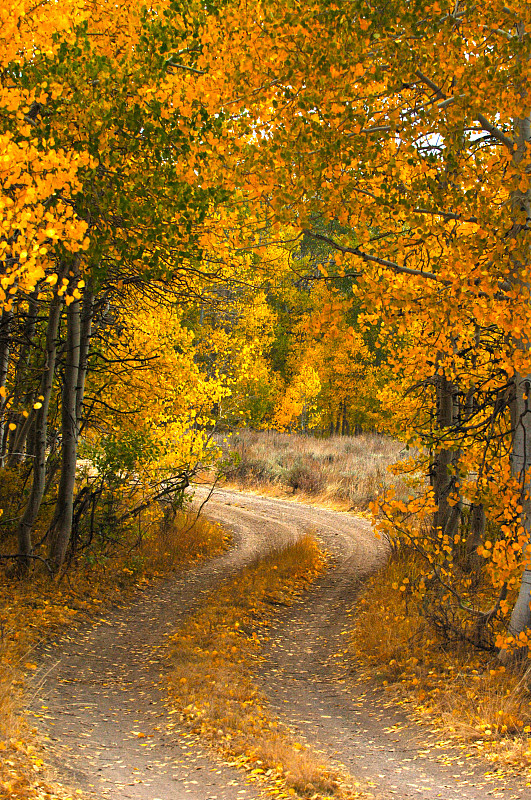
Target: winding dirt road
{"x":99,"y":703}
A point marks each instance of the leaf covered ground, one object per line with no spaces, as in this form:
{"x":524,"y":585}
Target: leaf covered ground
{"x":468,"y":693}
{"x":215,"y":658}
{"x":37,"y":610}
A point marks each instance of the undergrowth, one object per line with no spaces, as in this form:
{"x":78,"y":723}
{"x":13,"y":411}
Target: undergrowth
{"x":344,"y":471}
{"x":469,"y":694}
{"x":38,"y":608}
{"x":214,"y":655}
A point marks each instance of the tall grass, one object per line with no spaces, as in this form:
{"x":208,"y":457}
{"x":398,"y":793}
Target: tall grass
{"x":345,"y":470}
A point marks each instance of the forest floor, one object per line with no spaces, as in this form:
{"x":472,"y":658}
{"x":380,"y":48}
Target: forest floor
{"x":99,"y":702}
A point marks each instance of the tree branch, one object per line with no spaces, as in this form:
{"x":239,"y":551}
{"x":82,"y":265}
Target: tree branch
{"x":374,"y":129}
{"x":496,"y":132}
{"x":170,"y":63}
{"x":483,"y":121}
{"x":437,"y":89}
{"x":367,"y":257}
{"x":445,"y":214}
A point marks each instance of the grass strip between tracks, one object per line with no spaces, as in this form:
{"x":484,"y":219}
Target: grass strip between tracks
{"x":213,"y":658}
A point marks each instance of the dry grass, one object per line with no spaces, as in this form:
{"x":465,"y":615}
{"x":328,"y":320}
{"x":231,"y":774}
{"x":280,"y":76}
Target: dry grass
{"x":212,"y":687}
{"x":469,"y":694}
{"x":38,"y":608}
{"x":347,"y":471}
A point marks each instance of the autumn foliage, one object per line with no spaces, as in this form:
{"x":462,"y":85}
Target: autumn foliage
{"x":309,"y":217}
{"x":312,"y":218}
{"x":398,"y":136}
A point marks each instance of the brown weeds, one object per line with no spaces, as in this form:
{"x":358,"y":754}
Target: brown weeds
{"x":346,"y":471}
{"x":469,"y":694}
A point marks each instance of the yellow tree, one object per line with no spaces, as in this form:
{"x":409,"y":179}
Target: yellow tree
{"x":153,"y":409}
{"x":408,"y":124}
{"x":37,"y":176}
{"x":342,"y":393}
{"x":298,"y":405}
{"x":110,"y":175}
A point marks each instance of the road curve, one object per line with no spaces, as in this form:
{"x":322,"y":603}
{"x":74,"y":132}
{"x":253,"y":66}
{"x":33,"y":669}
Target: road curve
{"x":308,"y":681}
{"x":97,"y":698}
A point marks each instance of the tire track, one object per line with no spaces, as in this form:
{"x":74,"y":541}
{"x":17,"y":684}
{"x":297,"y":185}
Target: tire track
{"x":308,"y":682}
{"x":99,"y":704}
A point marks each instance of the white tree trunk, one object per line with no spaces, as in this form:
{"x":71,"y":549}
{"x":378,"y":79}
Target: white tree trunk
{"x":5,"y":346}
{"x":521,"y":412}
{"x":61,"y":527}
{"x":520,"y":465}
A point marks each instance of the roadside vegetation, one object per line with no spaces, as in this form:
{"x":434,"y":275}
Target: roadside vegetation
{"x":32,"y":612}
{"x":345,"y":472}
{"x":215,"y":658}
{"x":469,"y":695}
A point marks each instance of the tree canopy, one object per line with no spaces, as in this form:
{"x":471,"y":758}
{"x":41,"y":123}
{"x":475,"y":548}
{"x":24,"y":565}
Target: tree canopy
{"x":310,"y":215}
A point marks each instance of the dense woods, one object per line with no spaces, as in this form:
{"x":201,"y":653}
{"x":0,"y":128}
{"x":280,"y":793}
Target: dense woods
{"x":312,"y":217}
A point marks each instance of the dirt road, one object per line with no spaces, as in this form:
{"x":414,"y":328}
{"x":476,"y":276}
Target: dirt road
{"x":97,"y":696}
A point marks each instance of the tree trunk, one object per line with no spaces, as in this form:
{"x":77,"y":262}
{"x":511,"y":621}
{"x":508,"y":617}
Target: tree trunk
{"x":447,"y":516}
{"x":5,"y":346}
{"x":61,"y":527}
{"x":33,"y":504}
{"x":346,"y":430}
{"x":472,"y":560}
{"x":343,"y":418}
{"x":520,"y":465}
{"x":21,"y":393}
{"x":521,"y":410}
{"x":87,"y":316}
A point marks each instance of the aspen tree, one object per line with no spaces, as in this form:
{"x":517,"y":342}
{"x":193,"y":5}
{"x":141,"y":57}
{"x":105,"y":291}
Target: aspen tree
{"x":408,"y":125}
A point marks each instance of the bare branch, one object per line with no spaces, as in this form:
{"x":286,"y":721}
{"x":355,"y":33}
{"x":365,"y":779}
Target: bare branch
{"x":437,"y":89}
{"x":170,"y":63}
{"x":496,"y":132}
{"x":19,"y":557}
{"x":448,"y":102}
